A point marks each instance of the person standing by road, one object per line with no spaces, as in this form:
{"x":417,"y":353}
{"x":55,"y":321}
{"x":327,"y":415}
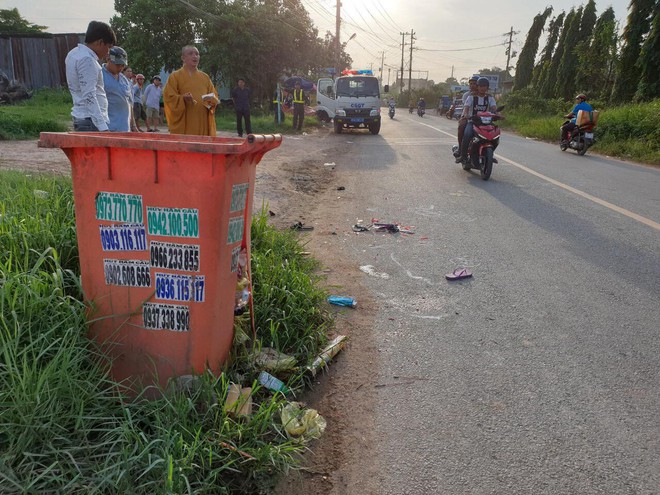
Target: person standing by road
{"x":138,"y":103}
{"x":190,"y":98}
{"x":152,"y":103}
{"x":118,"y":91}
{"x":85,"y":79}
{"x":241,"y":96}
{"x":299,"y":99}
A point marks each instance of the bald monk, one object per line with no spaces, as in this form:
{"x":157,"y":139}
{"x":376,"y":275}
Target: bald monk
{"x":186,"y":111}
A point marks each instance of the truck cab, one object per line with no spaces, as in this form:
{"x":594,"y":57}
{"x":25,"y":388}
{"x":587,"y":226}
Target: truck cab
{"x":351,"y":100}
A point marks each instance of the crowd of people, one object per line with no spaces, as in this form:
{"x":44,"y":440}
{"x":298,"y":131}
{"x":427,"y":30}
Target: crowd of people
{"x":108,"y":96}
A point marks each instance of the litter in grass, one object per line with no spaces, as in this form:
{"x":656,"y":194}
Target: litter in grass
{"x":300,"y":423}
{"x":342,"y":301}
{"x":239,"y":400}
{"x":273,"y":360}
{"x":272,"y":383}
{"x":330,"y":351}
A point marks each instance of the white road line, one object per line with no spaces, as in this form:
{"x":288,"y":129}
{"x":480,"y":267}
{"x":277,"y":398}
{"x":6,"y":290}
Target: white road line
{"x":602,"y":202}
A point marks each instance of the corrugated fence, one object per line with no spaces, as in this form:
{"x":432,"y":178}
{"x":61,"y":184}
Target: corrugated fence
{"x":37,"y":62}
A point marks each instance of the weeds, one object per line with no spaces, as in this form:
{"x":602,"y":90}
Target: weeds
{"x":66,"y":427}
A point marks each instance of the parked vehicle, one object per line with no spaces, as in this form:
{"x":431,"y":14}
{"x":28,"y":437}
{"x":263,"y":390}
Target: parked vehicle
{"x":352,"y":100}
{"x":482,"y":148}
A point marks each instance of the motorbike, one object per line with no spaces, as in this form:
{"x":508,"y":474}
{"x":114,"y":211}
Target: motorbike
{"x":421,"y":111}
{"x":580,"y":139}
{"x":410,"y":109}
{"x":483,"y":145}
{"x":391,"y":111}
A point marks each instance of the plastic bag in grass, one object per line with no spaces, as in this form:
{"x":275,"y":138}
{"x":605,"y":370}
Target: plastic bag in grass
{"x":273,"y":360}
{"x":301,"y":423}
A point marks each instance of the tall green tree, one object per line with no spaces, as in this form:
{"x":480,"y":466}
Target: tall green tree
{"x":546,"y":56}
{"x":525,"y":65}
{"x":153,"y":33}
{"x":649,"y":62}
{"x":628,"y":73}
{"x":11,"y":22}
{"x":565,"y":85}
{"x":597,"y":56}
{"x":587,"y":22}
{"x":549,"y":82}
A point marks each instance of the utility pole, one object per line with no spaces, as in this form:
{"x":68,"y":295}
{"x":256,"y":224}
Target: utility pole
{"x":412,"y":40}
{"x":508,"y":50}
{"x":337,"y":44}
{"x":389,"y":72}
{"x":382,"y":63}
{"x":452,"y":72}
{"x":403,"y":44}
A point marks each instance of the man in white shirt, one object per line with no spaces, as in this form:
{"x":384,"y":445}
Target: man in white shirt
{"x":481,"y":102}
{"x":85,"y":79}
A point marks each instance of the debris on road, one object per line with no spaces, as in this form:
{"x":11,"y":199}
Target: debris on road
{"x":301,"y":226}
{"x":330,"y":351}
{"x":300,"y":423}
{"x":370,"y":270}
{"x":459,"y":274}
{"x":342,"y":301}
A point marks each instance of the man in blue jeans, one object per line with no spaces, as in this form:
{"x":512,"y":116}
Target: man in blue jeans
{"x":85,"y":78}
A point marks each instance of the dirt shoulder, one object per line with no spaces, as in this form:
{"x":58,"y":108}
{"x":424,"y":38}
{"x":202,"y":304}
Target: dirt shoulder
{"x":296,"y":182}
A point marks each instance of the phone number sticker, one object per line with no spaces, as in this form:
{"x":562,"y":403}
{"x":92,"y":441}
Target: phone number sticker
{"x":173,"y":287}
{"x":157,"y":316}
{"x":184,"y":257}
{"x":125,"y":237}
{"x":236,"y":226}
{"x":127,"y":273}
{"x":238,"y":197}
{"x":118,"y":207}
{"x":174,"y":222}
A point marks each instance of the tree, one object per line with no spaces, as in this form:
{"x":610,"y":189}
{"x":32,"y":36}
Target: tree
{"x":565,"y":85}
{"x":525,"y":65}
{"x":546,"y":55}
{"x":649,"y":62}
{"x":588,"y":20}
{"x":549,"y":82}
{"x":11,"y":22}
{"x":597,"y":57}
{"x":629,"y":71}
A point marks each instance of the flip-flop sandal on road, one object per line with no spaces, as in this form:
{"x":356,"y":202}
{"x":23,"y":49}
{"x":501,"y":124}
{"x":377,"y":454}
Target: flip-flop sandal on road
{"x":459,"y":274}
{"x":300,"y":226}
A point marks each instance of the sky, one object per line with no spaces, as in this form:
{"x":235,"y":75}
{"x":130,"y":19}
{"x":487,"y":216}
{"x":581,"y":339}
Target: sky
{"x":451,"y":36}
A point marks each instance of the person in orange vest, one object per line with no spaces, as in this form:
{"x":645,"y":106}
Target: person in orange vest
{"x":299,"y":99}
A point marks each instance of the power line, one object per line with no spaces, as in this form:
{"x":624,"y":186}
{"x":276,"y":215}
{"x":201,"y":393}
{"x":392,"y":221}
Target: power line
{"x":461,"y":49}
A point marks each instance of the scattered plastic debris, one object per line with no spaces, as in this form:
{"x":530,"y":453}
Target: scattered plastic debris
{"x":330,"y":351}
{"x":272,"y":383}
{"x":360,"y":228}
{"x":301,"y":226}
{"x":330,"y":164}
{"x":273,"y":360}
{"x":341,"y":188}
{"x":342,"y":301}
{"x":302,"y":423}
{"x":239,"y":400}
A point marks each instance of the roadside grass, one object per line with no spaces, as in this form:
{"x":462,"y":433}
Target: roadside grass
{"x":49,"y":110}
{"x":627,"y":131}
{"x":262,"y":123}
{"x":66,"y":427}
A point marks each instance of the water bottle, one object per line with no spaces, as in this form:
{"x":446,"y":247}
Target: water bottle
{"x":342,"y":301}
{"x":272,"y":383}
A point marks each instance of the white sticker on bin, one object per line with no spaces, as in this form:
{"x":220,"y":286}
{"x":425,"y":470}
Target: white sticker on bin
{"x":119,"y":207}
{"x":157,"y":316}
{"x":182,"y":257}
{"x":124,"y":237}
{"x":184,"y":288}
{"x":127,"y":273}
{"x":173,"y":222}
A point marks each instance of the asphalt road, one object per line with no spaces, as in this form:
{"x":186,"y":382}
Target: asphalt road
{"x":541,"y":374}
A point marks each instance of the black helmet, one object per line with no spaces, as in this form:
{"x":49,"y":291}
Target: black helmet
{"x":483,"y":81}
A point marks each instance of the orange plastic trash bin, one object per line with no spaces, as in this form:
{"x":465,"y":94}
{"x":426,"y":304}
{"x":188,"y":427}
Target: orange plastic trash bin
{"x":162,"y":222}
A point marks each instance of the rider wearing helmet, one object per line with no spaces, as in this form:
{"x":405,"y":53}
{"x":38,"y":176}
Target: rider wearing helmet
{"x":481,"y":102}
{"x":421,"y":103}
{"x":462,"y":122}
{"x":569,"y":127}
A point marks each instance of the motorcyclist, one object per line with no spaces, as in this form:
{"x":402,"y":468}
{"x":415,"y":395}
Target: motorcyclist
{"x":480,"y":102}
{"x":570,"y":126}
{"x":421,"y":104}
{"x":392,"y":102}
{"x":462,"y":122}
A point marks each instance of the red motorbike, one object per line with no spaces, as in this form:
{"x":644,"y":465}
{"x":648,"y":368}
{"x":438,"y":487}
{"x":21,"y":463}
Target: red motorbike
{"x":485,"y":140}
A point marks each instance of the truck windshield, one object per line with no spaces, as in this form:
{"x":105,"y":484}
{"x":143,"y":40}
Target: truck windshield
{"x":358,"y":86}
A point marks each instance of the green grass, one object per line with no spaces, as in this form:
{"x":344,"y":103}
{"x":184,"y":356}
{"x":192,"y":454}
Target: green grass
{"x":48,"y":110}
{"x":627,"y":131}
{"x":262,"y":124}
{"x":66,"y":427}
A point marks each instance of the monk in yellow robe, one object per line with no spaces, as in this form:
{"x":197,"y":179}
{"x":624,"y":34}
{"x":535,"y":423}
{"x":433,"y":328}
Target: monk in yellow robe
{"x":185,"y":109}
